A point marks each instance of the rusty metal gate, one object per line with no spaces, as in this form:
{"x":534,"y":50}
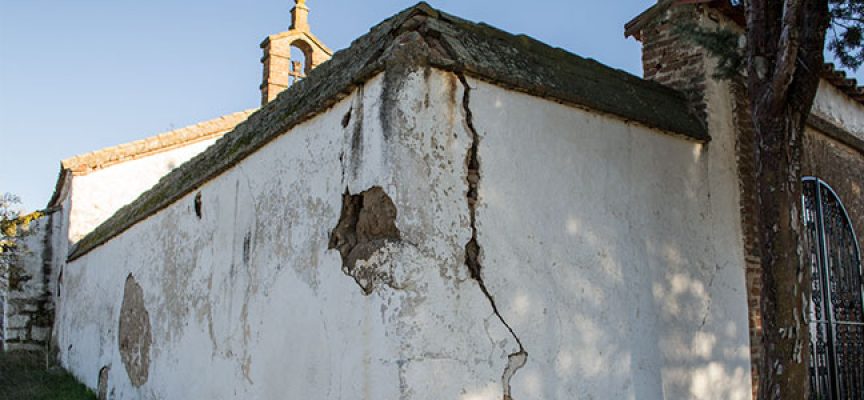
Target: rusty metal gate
{"x":836,"y":312}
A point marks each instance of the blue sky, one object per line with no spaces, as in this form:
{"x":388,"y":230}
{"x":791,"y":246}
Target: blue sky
{"x":76,"y":76}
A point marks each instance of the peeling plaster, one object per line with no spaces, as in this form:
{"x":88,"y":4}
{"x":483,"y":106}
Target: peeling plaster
{"x":367,"y":224}
{"x":134,"y":333}
{"x":102,"y":386}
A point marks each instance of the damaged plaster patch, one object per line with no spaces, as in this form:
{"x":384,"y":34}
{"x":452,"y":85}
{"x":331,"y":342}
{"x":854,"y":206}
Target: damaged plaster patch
{"x":102,"y":387}
{"x":134,"y":333}
{"x":472,"y":248}
{"x":367,"y":224}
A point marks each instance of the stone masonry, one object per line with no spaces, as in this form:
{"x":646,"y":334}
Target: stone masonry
{"x":27,"y":309}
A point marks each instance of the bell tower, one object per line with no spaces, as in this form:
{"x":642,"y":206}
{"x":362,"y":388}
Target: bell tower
{"x":280,"y":71}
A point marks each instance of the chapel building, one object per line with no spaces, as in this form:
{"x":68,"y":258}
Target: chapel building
{"x":444,"y":210}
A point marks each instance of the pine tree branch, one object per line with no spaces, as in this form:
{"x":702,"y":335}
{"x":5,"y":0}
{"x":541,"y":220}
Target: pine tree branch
{"x":787,"y":54}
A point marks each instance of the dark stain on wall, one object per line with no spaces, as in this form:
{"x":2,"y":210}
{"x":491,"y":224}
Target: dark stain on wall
{"x":198,"y":205}
{"x":134,"y":333}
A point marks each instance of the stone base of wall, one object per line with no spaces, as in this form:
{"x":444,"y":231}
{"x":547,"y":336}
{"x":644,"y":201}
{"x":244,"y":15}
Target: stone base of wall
{"x":27,"y":323}
{"x":27,"y":311}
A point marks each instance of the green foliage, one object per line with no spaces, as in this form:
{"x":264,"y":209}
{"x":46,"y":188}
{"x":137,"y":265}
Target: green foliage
{"x":846,"y":34}
{"x":8,"y":241}
{"x":23,"y":376}
{"x":844,"y":39}
{"x":13,"y":226}
{"x":721,"y":43}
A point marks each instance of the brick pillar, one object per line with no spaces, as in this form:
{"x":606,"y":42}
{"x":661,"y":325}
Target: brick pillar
{"x":747,"y":149}
{"x":672,"y":60}
{"x":277,"y":65}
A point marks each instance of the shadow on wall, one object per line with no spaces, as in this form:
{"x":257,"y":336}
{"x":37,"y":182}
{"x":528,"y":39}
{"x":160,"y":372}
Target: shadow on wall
{"x":619,"y":280}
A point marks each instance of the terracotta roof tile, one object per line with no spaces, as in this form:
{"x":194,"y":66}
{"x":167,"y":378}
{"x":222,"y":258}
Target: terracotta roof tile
{"x":94,"y":160}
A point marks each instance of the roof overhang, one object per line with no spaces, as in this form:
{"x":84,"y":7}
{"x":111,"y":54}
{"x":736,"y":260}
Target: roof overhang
{"x":421,"y":37}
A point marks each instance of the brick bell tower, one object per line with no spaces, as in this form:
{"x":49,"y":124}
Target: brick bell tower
{"x":280,"y":71}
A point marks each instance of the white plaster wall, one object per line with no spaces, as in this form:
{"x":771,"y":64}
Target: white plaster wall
{"x":835,"y":106}
{"x":97,"y":195}
{"x":285,"y":321}
{"x":613,"y":251}
{"x":59,"y":251}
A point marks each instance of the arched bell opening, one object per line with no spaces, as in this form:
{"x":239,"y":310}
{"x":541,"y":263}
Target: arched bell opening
{"x":301,"y":61}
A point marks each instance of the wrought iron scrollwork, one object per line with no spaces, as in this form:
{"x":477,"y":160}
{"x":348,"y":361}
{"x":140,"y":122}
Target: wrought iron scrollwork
{"x":837,"y":306}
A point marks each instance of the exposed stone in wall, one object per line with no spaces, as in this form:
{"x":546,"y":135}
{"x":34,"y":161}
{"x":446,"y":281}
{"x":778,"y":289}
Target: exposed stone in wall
{"x":102,"y":386}
{"x":134,"y":333}
{"x":367,"y":224}
{"x":473,"y":251}
{"x":27,"y":310}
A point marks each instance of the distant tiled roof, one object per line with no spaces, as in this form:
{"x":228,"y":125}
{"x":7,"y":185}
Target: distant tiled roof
{"x":86,"y":163}
{"x":418,"y":37}
{"x":849,"y":86}
{"x":830,"y":72}
{"x":89,"y":162}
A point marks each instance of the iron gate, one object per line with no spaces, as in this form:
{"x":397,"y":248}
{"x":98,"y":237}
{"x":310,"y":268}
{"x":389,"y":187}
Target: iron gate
{"x":836,"y":311}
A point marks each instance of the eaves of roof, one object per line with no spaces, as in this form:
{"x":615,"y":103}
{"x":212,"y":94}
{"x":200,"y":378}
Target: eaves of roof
{"x":421,"y":36}
{"x":87,"y":163}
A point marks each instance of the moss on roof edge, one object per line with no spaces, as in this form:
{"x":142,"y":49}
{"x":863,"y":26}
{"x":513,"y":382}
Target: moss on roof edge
{"x":438,"y":40}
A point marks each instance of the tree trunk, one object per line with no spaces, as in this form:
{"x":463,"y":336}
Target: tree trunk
{"x":785,"y":290}
{"x":785,"y":40}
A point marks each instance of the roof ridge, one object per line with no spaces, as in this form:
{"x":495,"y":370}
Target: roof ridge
{"x":420,"y":37}
{"x":83,"y":164}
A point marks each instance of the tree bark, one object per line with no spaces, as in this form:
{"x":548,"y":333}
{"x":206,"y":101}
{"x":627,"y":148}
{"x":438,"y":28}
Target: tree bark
{"x":784,"y":58}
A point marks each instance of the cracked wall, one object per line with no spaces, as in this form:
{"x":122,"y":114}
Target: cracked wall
{"x":252,"y":300}
{"x":612,"y":250}
{"x":506,"y":247}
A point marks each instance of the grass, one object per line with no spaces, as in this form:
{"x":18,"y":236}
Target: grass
{"x":23,"y":376}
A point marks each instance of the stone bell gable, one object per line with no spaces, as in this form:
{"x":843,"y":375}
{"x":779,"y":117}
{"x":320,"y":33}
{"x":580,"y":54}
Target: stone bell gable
{"x":280,"y":71}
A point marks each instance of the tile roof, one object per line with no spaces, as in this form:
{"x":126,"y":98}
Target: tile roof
{"x":417,"y":37}
{"x":84,"y":164}
{"x":95,"y":160}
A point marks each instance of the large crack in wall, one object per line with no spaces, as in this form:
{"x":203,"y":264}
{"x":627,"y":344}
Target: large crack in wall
{"x":473,"y":251}
{"x":367,"y":224}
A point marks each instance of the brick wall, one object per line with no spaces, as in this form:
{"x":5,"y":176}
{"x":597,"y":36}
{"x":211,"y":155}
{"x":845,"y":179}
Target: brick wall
{"x":674,"y":61}
{"x":747,"y":152}
{"x":842,"y":167}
